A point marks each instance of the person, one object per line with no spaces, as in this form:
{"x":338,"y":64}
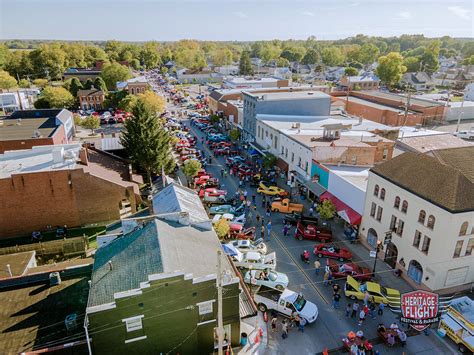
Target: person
{"x":222,"y":172}
{"x":394,"y":326}
{"x":305,"y":256}
{"x":274,"y":322}
{"x":361,"y":317}
{"x":269,"y":228}
{"x":335,"y":300}
{"x":262,"y":232}
{"x":335,"y":289}
{"x":249,"y":204}
{"x":225,"y":173}
{"x":402,"y":336}
{"x":295,"y":318}
{"x":381,"y":328}
{"x":330,"y":277}
{"x":302,"y":323}
{"x":326,"y":277}
{"x":354,"y":349}
{"x":257,"y":217}
{"x":284,"y":328}
{"x":311,"y":211}
{"x":390,"y":340}
{"x":268,"y":212}
{"x":245,"y":194}
{"x":348,"y":310}
{"x":240,"y":185}
{"x":380,"y":310}
{"x":366,"y":309}
{"x":65,"y":230}
{"x":285,"y":229}
{"x":264,"y":201}
{"x":254,"y":198}
{"x":317,"y":265}
{"x":366,"y":298}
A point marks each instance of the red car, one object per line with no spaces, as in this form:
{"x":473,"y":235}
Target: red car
{"x":329,"y":251}
{"x":312,"y":232}
{"x":341,"y":271}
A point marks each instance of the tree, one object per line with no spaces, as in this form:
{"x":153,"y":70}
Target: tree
{"x":311,"y":57}
{"x":221,"y":56}
{"x":269,"y":161}
{"x":282,"y":63}
{"x":412,"y":64}
{"x":429,"y":59}
{"x":54,"y":97}
{"x":234,"y":134}
{"x":293,"y":54}
{"x":245,"y":65}
{"x":127,"y":103}
{"x":152,"y":100}
{"x":99,"y":84}
{"x":75,"y":86}
{"x":326,"y":210}
{"x":368,"y":53}
{"x":349,"y":71}
{"x":269,"y":52}
{"x":7,"y":81}
{"x":91,"y":122}
{"x":469,"y":60}
{"x":332,"y":56}
{"x":114,"y":98}
{"x":112,"y":73}
{"x":3,"y":55}
{"x":390,"y":68}
{"x":88,"y":84}
{"x":147,"y":144}
{"x":222,"y":228}
{"x":149,"y":56}
{"x":214,"y":118}
{"x":191,"y":168}
{"x":40,"y":83}
{"x":49,"y":60}
{"x":23,"y":83}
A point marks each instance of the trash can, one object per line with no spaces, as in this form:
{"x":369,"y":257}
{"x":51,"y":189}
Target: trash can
{"x":243,"y":339}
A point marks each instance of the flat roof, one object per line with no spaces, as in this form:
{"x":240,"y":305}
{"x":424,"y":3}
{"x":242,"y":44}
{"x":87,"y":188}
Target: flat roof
{"x":32,"y":316}
{"x":13,"y":129}
{"x":289,"y":95}
{"x":40,"y":158}
{"x":409,"y":131}
{"x":242,"y":80}
{"x":402,"y":98}
{"x":18,"y":263}
{"x":428,"y":143}
{"x":358,"y":100}
{"x":356,"y":175}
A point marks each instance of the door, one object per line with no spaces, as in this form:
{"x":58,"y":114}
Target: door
{"x":391,"y":255}
{"x":282,"y":308}
{"x":415,"y":271}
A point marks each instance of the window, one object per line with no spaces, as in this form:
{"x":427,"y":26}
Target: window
{"x":258,"y":131}
{"x":463,"y":229}
{"x":457,"y":250}
{"x":379,"y":214}
{"x":385,"y":154}
{"x":404,"y":206}
{"x":426,"y":244}
{"x":417,"y":239}
{"x":266,"y":133}
{"x":372,"y":209}
{"x":470,"y":246}
{"x":400,"y":226}
{"x":431,"y":222}
{"x":382,"y":194}
{"x":306,"y":165}
{"x":376,"y":190}
{"x":286,"y":152}
{"x":299,"y":162}
{"x":133,"y":323}
{"x":205,"y":307}
{"x":292,"y":157}
{"x":396,"y":204}
{"x":422,"y":217}
{"x":393,"y":223}
{"x":276,"y":142}
{"x":282,"y":150}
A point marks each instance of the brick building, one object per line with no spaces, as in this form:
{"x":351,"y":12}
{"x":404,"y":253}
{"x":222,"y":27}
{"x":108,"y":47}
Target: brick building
{"x":63,"y":185}
{"x":29,"y":128}
{"x":134,"y":86}
{"x":92,"y":99}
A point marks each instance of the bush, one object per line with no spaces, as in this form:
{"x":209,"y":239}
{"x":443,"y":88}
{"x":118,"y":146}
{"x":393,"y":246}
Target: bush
{"x":326,"y":210}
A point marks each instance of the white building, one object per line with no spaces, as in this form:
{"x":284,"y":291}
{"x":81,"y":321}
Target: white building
{"x":15,"y":101}
{"x":256,"y":82}
{"x":427,"y":203}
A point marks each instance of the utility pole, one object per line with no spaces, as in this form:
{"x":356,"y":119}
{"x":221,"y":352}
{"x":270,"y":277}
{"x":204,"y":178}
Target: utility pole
{"x":460,"y":114}
{"x":407,"y":105}
{"x":220,"y":325}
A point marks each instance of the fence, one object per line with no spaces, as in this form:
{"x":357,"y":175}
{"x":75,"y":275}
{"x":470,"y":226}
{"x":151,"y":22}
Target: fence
{"x":65,"y":247}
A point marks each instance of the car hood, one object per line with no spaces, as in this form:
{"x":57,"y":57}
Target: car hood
{"x":391,"y":292}
{"x":309,"y":312}
{"x":282,"y":279}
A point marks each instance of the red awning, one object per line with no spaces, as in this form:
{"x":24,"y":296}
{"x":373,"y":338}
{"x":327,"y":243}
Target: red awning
{"x":344,"y":211}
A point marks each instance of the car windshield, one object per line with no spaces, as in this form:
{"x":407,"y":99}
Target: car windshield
{"x":383,"y":291}
{"x":299,"y":303}
{"x":272,"y":276}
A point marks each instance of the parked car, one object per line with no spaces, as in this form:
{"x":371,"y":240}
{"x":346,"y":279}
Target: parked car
{"x":342,"y":271}
{"x":305,"y":230}
{"x":251,"y":260}
{"x":213,"y":195}
{"x":271,"y":279}
{"x":221,"y":209}
{"x":378,"y":293}
{"x":271,"y":190}
{"x":329,"y":251}
{"x":285,"y":206}
{"x":245,"y":245}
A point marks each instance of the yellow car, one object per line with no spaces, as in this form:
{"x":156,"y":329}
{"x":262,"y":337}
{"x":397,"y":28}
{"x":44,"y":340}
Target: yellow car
{"x":271,"y":190}
{"x":378,"y":294}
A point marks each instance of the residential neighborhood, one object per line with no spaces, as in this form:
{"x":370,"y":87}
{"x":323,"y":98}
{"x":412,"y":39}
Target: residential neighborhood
{"x":233,"y":193}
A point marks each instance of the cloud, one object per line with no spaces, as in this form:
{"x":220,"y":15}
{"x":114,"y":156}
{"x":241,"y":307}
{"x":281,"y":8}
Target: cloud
{"x":240,"y":14}
{"x":406,"y":15}
{"x":307,"y":13}
{"x":460,"y":12}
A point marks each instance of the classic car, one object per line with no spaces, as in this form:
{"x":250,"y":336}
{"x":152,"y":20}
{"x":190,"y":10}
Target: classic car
{"x":268,"y":278}
{"x":329,"y":251}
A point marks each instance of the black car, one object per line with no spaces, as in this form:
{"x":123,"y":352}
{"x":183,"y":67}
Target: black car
{"x":294,"y":218}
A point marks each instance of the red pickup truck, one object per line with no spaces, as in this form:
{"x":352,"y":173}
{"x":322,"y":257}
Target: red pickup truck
{"x":309,"y":231}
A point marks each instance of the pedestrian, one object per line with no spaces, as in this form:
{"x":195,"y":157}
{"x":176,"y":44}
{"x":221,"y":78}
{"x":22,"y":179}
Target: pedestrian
{"x":301,"y":325}
{"x":295,"y":319}
{"x":249,"y":204}
{"x":361,"y":317}
{"x":262,"y":232}
{"x":355,"y":309}
{"x":269,"y":229}
{"x":285,"y":230}
{"x":264,"y":202}
{"x":269,"y":204}
{"x":380,"y":310}
{"x":222,"y":172}
{"x":372,"y":312}
{"x":240,"y":183}
{"x":254,"y":198}
{"x":245,"y":194}
{"x":348,"y":310}
{"x":365,"y":309}
{"x":335,"y":300}
{"x":268,"y":213}
{"x":225,"y":173}
{"x":257,"y":217}
{"x":335,"y":289}
{"x":284,"y":328}
{"x":311,"y":211}
{"x":390,"y":340}
{"x":366,"y":298}
{"x":402,"y":336}
{"x":326,"y":277}
{"x":331,"y":277}
{"x":317,"y":265}
{"x":274,"y":322}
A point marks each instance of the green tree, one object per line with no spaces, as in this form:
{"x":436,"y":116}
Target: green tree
{"x":245,"y":65}
{"x":282,"y":63}
{"x":349,"y":71}
{"x":4,"y":53}
{"x":147,"y":144}
{"x":269,"y":161}
{"x":412,"y":64}
{"x":469,"y":60}
{"x":49,"y":60}
{"x":54,"y":97}
{"x":75,"y":86}
{"x":326,"y":210}
{"x":112,"y":73}
{"x":127,"y":103}
{"x":390,"y":68}
{"x":40,"y":83}
{"x":88,"y":84}
{"x":114,"y":98}
{"x":113,"y":49}
{"x":429,"y":59}
{"x":311,"y":57}
{"x":269,"y":52}
{"x":149,"y":55}
{"x":368,"y":53}
{"x":332,"y":56}
{"x":191,"y":168}
{"x":234,"y":134}
{"x":91,"y":122}
{"x":293,"y":54}
{"x":7,"y":81}
{"x":100,"y":84}
{"x":468,"y":48}
{"x":221,"y":56}
{"x":222,"y":228}
{"x":23,"y":83}
{"x":152,"y":100}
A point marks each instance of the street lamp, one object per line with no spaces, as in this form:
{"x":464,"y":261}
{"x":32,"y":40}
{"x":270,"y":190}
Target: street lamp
{"x":378,"y":247}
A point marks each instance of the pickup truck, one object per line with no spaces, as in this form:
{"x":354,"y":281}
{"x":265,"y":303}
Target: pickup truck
{"x":294,"y":218}
{"x":285,"y":302}
{"x":285,"y":206}
{"x":305,"y":230}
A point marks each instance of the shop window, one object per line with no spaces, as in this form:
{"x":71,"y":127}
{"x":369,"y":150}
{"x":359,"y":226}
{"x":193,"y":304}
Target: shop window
{"x":457,"y":249}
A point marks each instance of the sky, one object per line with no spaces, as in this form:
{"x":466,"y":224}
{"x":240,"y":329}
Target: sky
{"x":231,"y":20}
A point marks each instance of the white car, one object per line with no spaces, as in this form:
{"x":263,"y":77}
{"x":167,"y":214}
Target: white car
{"x":268,"y":278}
{"x":239,"y":219}
{"x":247,"y":245}
{"x":465,"y":134}
{"x":218,"y":217}
{"x":252,"y":260}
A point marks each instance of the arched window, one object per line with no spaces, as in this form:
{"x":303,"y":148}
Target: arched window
{"x":415,"y":271}
{"x":404,"y":206}
{"x":422,"y":217}
{"x":463,"y":229}
{"x":376,"y":190}
{"x":431,"y":222}
{"x":396,"y":204}
{"x":132,"y":90}
{"x":382,"y":194}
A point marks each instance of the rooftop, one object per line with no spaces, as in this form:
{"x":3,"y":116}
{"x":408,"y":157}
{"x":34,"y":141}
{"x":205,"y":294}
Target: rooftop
{"x":357,"y":176}
{"x":243,"y":80}
{"x":407,"y":131}
{"x":423,"y":144}
{"x":12,"y":129}
{"x":289,"y":95}
{"x":445,"y":179}
{"x":19,"y":263}
{"x":220,"y":93}
{"x":358,"y":100}
{"x":402,"y":99}
{"x":361,"y":78}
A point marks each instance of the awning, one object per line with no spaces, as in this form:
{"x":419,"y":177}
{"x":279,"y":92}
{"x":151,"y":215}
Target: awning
{"x":283,"y":165}
{"x":344,"y":211}
{"x":256,"y":150}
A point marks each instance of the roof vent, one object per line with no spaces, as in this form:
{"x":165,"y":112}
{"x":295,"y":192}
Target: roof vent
{"x":54,"y":279}
{"x":18,"y":122}
{"x":36,"y":134}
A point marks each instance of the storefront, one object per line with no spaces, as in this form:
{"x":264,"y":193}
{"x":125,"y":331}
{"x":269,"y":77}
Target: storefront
{"x":343,"y":211}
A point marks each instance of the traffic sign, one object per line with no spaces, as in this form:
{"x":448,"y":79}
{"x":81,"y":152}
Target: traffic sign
{"x":373,"y":254}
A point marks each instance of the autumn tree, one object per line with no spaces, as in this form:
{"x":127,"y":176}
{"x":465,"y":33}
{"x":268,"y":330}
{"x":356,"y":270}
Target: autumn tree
{"x":7,"y":81}
{"x":91,"y":122}
{"x":326,"y":210}
{"x":54,"y":97}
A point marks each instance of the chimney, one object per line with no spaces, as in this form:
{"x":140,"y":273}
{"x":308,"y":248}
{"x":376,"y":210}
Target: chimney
{"x":83,"y":156}
{"x":110,"y":265}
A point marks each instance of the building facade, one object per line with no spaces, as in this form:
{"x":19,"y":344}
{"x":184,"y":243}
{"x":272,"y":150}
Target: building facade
{"x":92,"y":99}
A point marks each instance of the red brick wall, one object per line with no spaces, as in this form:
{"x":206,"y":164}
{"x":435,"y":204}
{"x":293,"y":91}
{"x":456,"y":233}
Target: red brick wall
{"x":24,"y":143}
{"x":38,"y":199}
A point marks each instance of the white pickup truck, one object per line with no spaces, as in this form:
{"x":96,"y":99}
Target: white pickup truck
{"x":285,"y":302}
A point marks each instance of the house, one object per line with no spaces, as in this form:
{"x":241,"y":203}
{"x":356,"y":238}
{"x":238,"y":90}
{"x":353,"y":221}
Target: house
{"x":334,"y":73}
{"x":134,"y":86}
{"x":75,"y":186}
{"x":227,"y":70}
{"x":420,"y":81}
{"x":360,"y":82}
{"x":253,"y":82}
{"x":424,"y":206}
{"x":83,"y":74}
{"x":188,"y":76}
{"x":27,"y":128}
{"x":92,"y":99}
{"x":457,"y":78}
{"x":429,"y":143}
{"x":21,"y":99}
{"x":153,"y":290}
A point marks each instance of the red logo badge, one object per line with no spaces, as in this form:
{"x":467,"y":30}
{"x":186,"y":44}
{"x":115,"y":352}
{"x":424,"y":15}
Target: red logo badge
{"x":419,"y":309}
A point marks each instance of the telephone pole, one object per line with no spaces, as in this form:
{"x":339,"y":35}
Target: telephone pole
{"x":220,"y":325}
